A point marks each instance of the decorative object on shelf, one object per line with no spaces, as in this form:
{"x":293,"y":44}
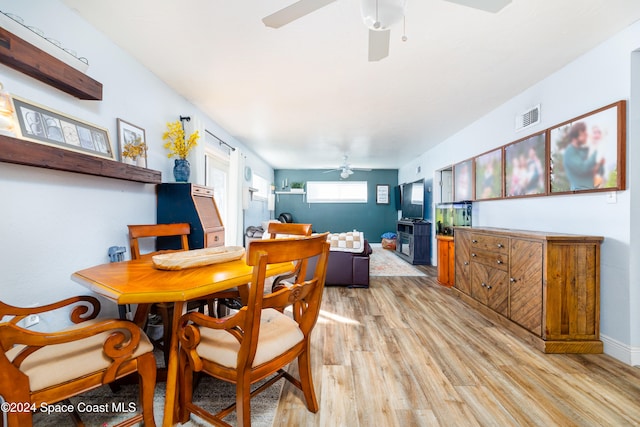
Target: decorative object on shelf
{"x":40,"y":124}
{"x":180,"y":147}
{"x":181,"y":170}
{"x":297,"y":187}
{"x":7,"y":123}
{"x":133,"y":144}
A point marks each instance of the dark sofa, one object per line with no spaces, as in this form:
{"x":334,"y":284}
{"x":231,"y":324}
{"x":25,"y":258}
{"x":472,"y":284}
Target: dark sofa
{"x":349,"y":268}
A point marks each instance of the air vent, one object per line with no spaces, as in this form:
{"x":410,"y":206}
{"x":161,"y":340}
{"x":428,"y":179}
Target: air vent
{"x":528,"y":118}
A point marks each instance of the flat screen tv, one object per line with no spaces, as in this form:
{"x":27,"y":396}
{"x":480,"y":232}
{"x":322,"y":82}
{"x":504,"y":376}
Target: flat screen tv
{"x":413,"y":200}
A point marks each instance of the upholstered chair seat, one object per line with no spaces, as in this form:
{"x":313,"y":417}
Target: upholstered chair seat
{"x":58,"y":363}
{"x":278,"y":334}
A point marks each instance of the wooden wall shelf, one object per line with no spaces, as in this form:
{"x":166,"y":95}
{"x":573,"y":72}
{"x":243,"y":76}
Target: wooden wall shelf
{"x":21,"y":152}
{"x":34,"y":62}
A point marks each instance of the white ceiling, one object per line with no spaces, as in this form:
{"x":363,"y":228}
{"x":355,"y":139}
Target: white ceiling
{"x":304,"y":95}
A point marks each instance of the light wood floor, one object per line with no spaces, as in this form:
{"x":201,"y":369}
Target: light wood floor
{"x":406,"y":353}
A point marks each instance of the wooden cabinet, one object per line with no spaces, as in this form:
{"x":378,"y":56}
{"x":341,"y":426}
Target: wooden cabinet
{"x":445,"y":260}
{"x":192,"y":203}
{"x":545,"y":287}
{"x":462,"y":274}
{"x":414,"y":241}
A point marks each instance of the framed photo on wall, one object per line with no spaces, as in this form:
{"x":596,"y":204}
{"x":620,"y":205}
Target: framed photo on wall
{"x":488,"y":173}
{"x":382,"y":194}
{"x":40,"y":124}
{"x":463,"y":181}
{"x":588,"y":153}
{"x":132,"y":143}
{"x":525,"y":166}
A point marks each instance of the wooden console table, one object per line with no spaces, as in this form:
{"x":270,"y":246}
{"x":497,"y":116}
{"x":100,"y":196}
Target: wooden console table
{"x":544,"y":287}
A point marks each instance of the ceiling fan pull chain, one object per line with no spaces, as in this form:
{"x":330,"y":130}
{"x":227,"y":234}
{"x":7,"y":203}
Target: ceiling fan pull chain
{"x":377,"y":23}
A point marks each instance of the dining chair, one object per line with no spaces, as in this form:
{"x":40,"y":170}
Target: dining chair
{"x":258,"y":341}
{"x":286,"y":229}
{"x":165,"y":310}
{"x":38,"y":368}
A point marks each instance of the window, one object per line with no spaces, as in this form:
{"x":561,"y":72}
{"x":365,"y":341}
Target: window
{"x":263,"y":187}
{"x":337,"y":192}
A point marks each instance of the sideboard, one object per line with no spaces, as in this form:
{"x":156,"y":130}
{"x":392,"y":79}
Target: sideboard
{"x":544,"y":287}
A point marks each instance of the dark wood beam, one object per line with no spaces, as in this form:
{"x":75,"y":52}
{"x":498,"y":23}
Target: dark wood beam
{"x":22,"y":152}
{"x":34,"y":62}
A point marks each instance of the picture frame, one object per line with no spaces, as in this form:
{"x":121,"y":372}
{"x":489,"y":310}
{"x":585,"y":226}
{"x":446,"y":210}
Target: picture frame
{"x":382,"y":194}
{"x":41,"y":124}
{"x":132,"y":144}
{"x":488,"y":175}
{"x":588,"y":153}
{"x":525,"y":167}
{"x":463,"y":181}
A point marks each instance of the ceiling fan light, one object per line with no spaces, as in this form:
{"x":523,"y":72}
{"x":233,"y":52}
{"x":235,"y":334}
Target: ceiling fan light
{"x":344,"y":174}
{"x":379,"y":15}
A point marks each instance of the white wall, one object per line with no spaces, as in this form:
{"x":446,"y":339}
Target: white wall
{"x":598,"y":78}
{"x":54,"y":223}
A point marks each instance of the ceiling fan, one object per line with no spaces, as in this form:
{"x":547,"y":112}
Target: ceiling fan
{"x":378,"y":16}
{"x":345,"y":169}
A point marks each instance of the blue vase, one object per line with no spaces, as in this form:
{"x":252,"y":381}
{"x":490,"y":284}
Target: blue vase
{"x":181,"y":170}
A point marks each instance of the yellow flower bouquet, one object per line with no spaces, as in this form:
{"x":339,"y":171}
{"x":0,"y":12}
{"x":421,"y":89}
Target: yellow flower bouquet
{"x":134,"y":149}
{"x":175,"y":141}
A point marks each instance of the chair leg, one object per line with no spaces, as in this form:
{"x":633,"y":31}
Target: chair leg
{"x":147,"y":382}
{"x":306,"y":380}
{"x":243,"y":401}
{"x":185,"y":388}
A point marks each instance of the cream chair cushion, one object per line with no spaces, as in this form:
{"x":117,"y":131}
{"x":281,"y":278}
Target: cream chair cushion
{"x":58,"y":363}
{"x":278,"y":333}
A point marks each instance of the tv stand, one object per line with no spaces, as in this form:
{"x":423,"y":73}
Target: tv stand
{"x":414,"y":241}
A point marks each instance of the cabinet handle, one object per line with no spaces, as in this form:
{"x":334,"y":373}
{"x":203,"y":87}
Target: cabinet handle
{"x":500,"y":245}
{"x":489,"y":286}
{"x":216,"y":238}
{"x":484,"y":285}
{"x":499,"y":261}
{"x":474,"y":241}
{"x":466,"y":263}
{"x":512,"y":280}
{"x":474,"y":255}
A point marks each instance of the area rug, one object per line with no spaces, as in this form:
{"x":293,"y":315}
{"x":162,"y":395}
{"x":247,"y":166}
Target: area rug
{"x":211,"y":394}
{"x":385,"y":262}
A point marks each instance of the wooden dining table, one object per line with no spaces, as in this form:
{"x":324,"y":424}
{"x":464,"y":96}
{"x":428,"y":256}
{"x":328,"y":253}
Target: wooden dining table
{"x":140,"y":282}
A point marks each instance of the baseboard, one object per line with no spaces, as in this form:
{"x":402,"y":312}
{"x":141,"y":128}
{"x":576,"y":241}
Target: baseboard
{"x":623,"y":352}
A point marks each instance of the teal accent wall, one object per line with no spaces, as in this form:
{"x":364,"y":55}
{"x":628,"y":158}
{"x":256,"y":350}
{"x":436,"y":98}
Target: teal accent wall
{"x":370,"y":218}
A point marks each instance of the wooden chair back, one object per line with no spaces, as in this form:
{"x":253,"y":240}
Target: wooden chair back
{"x":49,"y":367}
{"x":258,"y":326}
{"x":137,"y":232}
{"x":288,"y":229}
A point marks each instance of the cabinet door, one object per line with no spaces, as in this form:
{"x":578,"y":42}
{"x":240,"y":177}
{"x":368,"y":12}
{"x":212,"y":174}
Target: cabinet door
{"x":462,"y":239}
{"x":490,"y":286}
{"x":526,"y":284}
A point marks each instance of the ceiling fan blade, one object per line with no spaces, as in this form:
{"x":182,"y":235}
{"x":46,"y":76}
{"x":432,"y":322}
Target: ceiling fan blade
{"x":493,"y":6}
{"x":294,"y":11}
{"x":379,"y":44}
